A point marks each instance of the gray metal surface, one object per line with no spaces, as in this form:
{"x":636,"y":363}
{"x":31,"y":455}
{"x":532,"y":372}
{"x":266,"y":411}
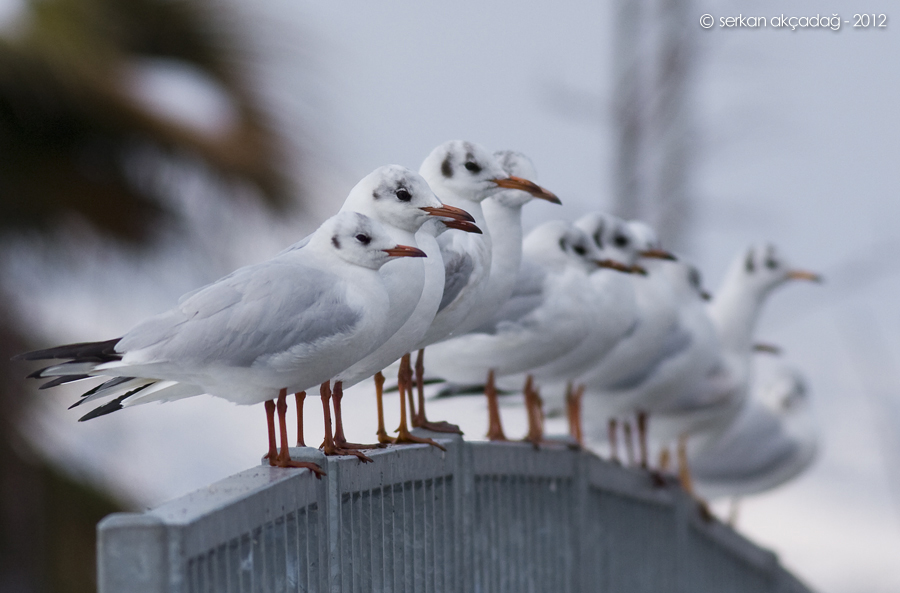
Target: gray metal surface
{"x":482,"y":517}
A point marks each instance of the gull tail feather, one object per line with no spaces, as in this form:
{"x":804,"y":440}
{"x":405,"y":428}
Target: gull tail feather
{"x":164,"y":391}
{"x":113,"y":387}
{"x":79,"y":352}
{"x":113,"y":406}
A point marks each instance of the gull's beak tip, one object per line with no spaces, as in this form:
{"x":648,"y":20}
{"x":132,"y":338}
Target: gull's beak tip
{"x":804,"y":275}
{"x":405,"y":251}
{"x":450,"y":212}
{"x":513,"y":182}
{"x":658,"y":254}
{"x":462,"y":225}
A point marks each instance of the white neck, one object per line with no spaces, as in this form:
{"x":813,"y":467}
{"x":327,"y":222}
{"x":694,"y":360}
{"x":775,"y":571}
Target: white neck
{"x":503,"y":226}
{"x":735,"y":310}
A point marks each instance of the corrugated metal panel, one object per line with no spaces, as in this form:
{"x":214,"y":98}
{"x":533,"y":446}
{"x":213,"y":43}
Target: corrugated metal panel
{"x":482,"y":517}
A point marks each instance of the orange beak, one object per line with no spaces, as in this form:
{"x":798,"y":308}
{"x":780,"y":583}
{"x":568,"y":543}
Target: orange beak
{"x":404,"y":251}
{"x":658,"y":254}
{"x":767,"y":348}
{"x":462,"y":225}
{"x":614,"y":265}
{"x":531,"y":187}
{"x":449,"y":212}
{"x":804,"y":275}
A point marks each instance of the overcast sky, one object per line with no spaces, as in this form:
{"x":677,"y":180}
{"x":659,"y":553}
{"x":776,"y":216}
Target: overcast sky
{"x":799,"y":140}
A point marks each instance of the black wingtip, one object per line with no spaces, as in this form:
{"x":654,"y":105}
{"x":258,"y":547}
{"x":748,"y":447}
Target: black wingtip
{"x":37,"y":374}
{"x":105,"y":409}
{"x":105,"y":385}
{"x":78,"y":352}
{"x":108,"y":408}
{"x":61,"y":380}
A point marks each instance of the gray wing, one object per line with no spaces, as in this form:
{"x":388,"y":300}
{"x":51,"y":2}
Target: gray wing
{"x":527,"y":295}
{"x":750,"y":448}
{"x":256,"y":311}
{"x":674,"y":343}
{"x":458,"y":269}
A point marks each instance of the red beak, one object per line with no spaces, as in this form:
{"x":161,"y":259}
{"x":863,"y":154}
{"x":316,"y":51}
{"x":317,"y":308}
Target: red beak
{"x":449,"y":212}
{"x":531,"y":187}
{"x":404,"y":251}
{"x":462,"y":226}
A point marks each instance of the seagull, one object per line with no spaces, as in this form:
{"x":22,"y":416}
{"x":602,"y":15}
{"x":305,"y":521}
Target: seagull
{"x":550,"y":312}
{"x":772,"y":440}
{"x":503,"y":217}
{"x":283,"y":325}
{"x":612,"y":292}
{"x":402,"y":201}
{"x":711,"y":393}
{"x":652,"y":337}
{"x":465,"y":174}
{"x":689,"y":374}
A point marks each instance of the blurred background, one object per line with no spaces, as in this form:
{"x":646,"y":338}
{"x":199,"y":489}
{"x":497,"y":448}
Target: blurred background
{"x":148,"y":147}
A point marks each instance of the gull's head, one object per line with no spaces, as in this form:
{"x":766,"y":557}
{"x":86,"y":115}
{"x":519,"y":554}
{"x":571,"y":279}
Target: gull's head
{"x":616,"y":243}
{"x":695,"y":283}
{"x":399,"y":197}
{"x":761,"y":269}
{"x":359,"y":240}
{"x":518,"y":166}
{"x":786,"y":392}
{"x":461,"y":171}
{"x":648,"y":243}
{"x":558,"y":244}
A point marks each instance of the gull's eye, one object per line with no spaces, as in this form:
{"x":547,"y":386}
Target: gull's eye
{"x":580,"y":250}
{"x":621,"y":241}
{"x":403,"y":195}
{"x":748,"y":263}
{"x":694,"y":277}
{"x":473,"y":166}
{"x":771,"y":263}
{"x":364,"y":239}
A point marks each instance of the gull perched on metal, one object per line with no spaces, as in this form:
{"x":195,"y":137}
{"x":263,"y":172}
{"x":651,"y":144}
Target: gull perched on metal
{"x":771,"y":440}
{"x":550,"y":312}
{"x":283,"y":325}
{"x":412,"y":215}
{"x":610,"y":382}
{"x":464,"y":174}
{"x":711,"y":392}
{"x":612,"y":294}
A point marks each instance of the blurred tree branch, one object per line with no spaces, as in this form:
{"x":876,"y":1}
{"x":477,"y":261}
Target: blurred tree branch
{"x":68,"y":124}
{"x":74,"y":141}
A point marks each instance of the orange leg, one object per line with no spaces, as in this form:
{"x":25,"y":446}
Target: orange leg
{"x":684,"y":472}
{"x":283,"y":459}
{"x":613,"y":440}
{"x":300,"y":397}
{"x":495,"y":427}
{"x":404,"y":383}
{"x":419,"y":420}
{"x":665,"y":459}
{"x":532,"y":407}
{"x":329,"y":446}
{"x":629,"y":443}
{"x":382,"y":434}
{"x":573,"y":412}
{"x":642,"y":437}
{"x":339,"y":440}
{"x":270,"y":423}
